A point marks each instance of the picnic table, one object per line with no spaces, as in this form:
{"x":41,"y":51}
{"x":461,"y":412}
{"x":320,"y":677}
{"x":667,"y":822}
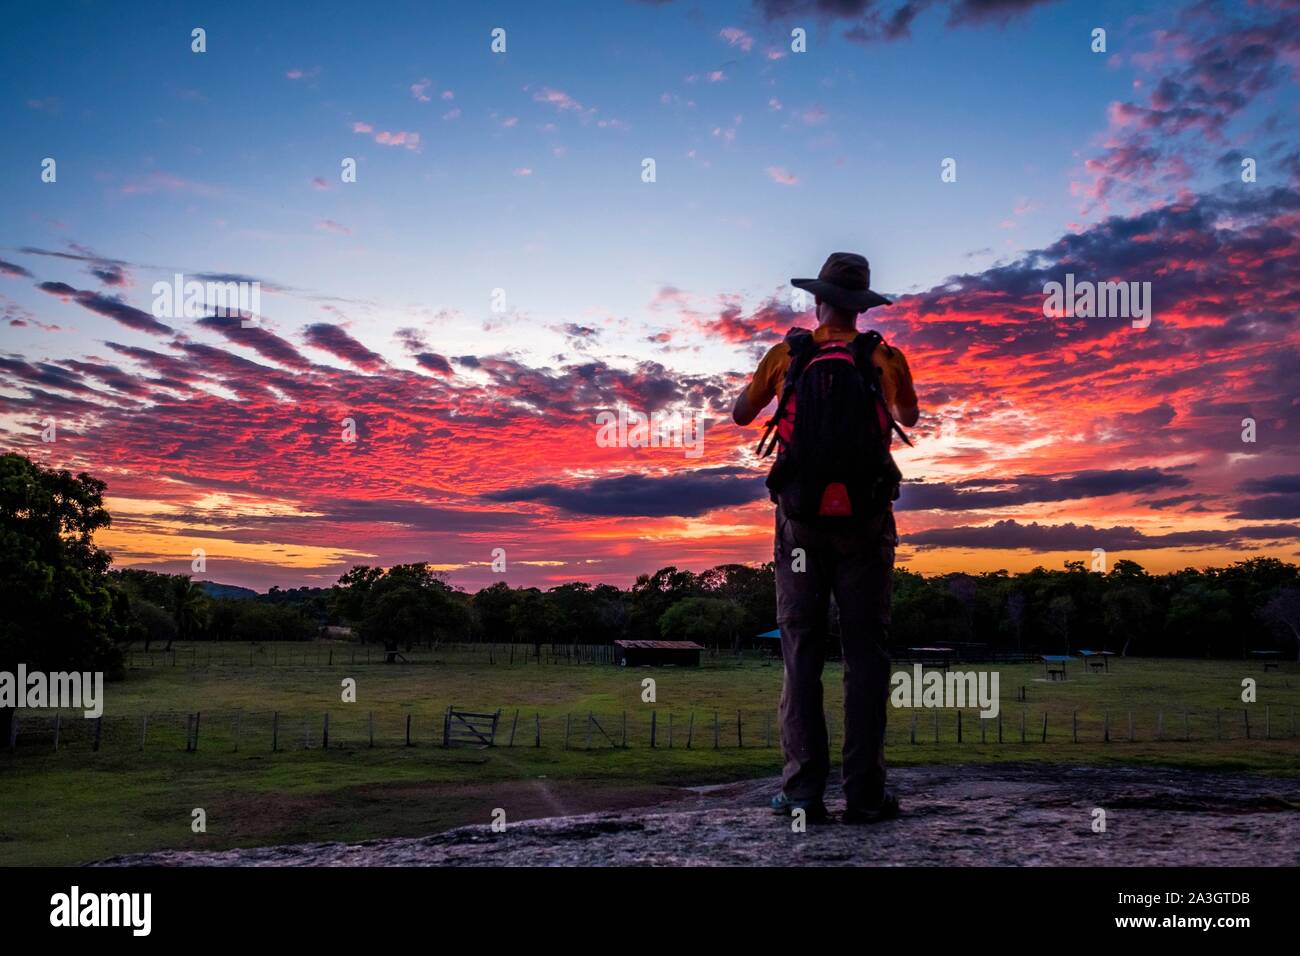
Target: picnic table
{"x":1055,"y":664}
{"x":939,"y":657}
{"x":1097,"y":659}
{"x":1271,"y":659}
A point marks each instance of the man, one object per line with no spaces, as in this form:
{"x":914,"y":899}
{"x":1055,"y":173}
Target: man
{"x":834,"y":482}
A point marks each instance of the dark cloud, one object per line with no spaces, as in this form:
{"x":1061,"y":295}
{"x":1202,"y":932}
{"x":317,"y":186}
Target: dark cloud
{"x":263,"y":341}
{"x":1281,"y":507}
{"x":982,"y":493}
{"x":1273,"y":484}
{"x":331,"y":338}
{"x":1010,"y":534}
{"x":686,"y":495}
{"x":110,"y":306}
{"x":434,"y":363}
{"x":883,"y":21}
{"x":9,"y":269}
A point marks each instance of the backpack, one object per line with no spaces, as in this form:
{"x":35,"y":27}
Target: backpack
{"x":833,"y":459}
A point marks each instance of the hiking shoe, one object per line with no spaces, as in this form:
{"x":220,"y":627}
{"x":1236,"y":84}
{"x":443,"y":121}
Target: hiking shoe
{"x":886,"y":809}
{"x":814,"y":810}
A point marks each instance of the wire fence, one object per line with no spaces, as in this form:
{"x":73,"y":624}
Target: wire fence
{"x":654,"y":728}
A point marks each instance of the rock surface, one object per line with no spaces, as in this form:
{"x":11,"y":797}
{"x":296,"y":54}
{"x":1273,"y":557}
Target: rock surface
{"x":999,"y":815}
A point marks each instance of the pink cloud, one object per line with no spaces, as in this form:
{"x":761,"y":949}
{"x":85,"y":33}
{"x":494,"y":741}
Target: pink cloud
{"x":420,"y":90}
{"x":738,"y":38}
{"x":405,"y":138}
{"x":329,"y":225}
{"x":782,"y":175}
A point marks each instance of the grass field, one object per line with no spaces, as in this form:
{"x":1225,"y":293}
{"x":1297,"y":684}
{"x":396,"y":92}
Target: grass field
{"x":77,"y":805}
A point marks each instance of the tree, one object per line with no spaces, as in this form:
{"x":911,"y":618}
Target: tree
{"x":189,"y":609}
{"x":709,"y":621}
{"x":61,"y":611}
{"x":1283,"y":611}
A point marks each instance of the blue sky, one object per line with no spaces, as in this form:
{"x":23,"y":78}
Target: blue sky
{"x":863,"y":128}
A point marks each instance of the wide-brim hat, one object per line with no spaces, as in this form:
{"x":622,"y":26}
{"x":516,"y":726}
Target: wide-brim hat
{"x":844,"y":282}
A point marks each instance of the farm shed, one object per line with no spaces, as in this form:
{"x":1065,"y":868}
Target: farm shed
{"x":657,"y":653}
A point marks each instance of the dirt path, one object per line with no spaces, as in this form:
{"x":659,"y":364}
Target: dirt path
{"x":1036,"y":815}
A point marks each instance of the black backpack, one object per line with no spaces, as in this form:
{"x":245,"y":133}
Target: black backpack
{"x":832,"y":428}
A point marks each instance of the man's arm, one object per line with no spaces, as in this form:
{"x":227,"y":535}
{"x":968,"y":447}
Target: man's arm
{"x":744,"y":411}
{"x":907,"y":417}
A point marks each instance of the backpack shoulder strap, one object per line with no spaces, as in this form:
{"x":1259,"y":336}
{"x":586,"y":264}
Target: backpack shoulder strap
{"x":864,"y":347}
{"x":802,"y":347}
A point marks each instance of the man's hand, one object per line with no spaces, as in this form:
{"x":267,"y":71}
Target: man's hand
{"x":744,"y":412}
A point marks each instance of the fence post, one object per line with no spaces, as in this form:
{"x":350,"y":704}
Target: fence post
{"x":1218,"y":724}
{"x":1266,"y":722}
{"x":1024,"y":718}
{"x":984,"y":726}
{"x":99,"y":732}
{"x":537,"y":727}
{"x":325,"y":733}
{"x":514,"y":724}
{"x":914,"y":725}
{"x":275,"y":731}
{"x":58,"y":719}
{"x":715,"y":730}
{"x":670,"y":730}
{"x":13,"y":732}
{"x":959,"y":725}
{"x":653,"y":727}
{"x":740,"y":736}
{"x":239,"y":716}
{"x":767,"y":731}
{"x":197,"y":716}
{"x":624,"y":738}
{"x":1105,"y":727}
{"x":690,"y":731}
{"x":1044,"y":726}
{"x":999,"y":725}
{"x":1160,"y":724}
{"x":1246,"y":716}
{"x":590,"y":717}
{"x":567,"y":720}
{"x":1187,"y":726}
{"x":371,"y":726}
{"x":1074,"y":726}
{"x":408,"y":730}
{"x":936,"y":725}
{"x":1130,"y":726}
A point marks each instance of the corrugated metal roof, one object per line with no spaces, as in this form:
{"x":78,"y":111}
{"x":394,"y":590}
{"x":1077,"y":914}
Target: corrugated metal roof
{"x":662,"y":645}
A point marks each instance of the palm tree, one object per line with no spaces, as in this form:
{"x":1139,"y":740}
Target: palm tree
{"x":189,"y":608}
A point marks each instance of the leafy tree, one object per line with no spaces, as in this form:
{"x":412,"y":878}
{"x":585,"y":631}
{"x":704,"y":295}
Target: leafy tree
{"x":60,"y":608}
{"x":713,"y":622}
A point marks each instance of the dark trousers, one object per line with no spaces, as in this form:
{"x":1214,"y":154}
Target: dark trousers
{"x":857,"y":568}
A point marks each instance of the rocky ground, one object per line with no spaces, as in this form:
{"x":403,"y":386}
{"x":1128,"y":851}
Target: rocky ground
{"x":999,"y":815}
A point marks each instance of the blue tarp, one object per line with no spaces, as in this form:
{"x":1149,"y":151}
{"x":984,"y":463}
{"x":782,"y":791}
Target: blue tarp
{"x":773,"y":634}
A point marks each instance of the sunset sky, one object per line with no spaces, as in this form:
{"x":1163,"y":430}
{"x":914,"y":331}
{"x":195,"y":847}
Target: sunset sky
{"x":1040,"y":438}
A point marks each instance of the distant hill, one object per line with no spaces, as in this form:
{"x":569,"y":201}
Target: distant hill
{"x":213,"y":589}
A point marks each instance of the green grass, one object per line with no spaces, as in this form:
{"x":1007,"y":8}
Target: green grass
{"x":77,"y":805}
